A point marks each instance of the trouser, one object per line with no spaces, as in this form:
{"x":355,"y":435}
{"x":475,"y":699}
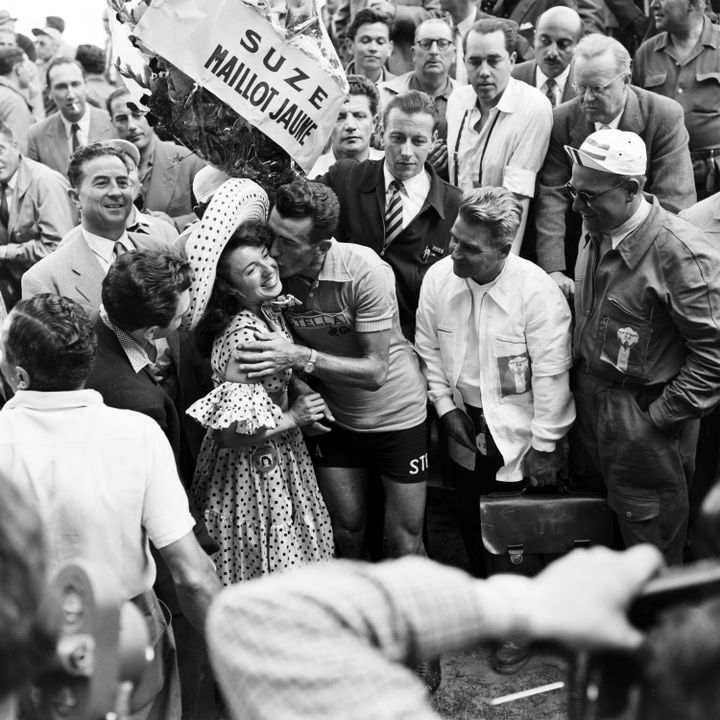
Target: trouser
{"x":157,"y":695}
{"x":646,"y":471}
{"x":469,"y":486}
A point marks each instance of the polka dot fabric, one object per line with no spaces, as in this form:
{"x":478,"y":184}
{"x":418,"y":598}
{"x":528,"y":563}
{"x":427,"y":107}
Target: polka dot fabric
{"x":236,"y":202}
{"x":261,"y":504}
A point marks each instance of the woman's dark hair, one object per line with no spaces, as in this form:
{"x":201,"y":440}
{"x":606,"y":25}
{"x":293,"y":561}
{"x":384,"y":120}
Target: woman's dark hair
{"x":53,"y":339}
{"x":225,"y":302}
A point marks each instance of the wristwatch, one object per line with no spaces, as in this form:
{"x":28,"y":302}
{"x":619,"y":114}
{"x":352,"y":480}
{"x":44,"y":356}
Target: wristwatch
{"x":310,"y":364}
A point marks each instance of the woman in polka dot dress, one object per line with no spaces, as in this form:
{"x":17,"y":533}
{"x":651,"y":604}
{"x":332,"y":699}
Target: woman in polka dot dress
{"x":254,"y":479}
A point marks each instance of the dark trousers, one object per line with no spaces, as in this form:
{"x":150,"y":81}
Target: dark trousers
{"x":469,"y":486}
{"x":646,"y":471}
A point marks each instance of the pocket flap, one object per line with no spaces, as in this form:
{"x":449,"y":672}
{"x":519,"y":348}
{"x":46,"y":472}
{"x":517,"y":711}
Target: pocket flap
{"x":654,"y":80}
{"x":634,"y":509}
{"x":700,"y":77}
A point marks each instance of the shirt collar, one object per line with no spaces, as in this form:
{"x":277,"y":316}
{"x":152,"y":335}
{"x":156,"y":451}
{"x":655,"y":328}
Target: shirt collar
{"x":413,"y":184}
{"x":464,"y":26}
{"x":58,"y":400}
{"x":83,"y":123}
{"x":12,"y":182}
{"x":134,"y":352}
{"x":541,"y":78}
{"x":618,"y":234}
{"x":334,"y":267}
{"x":104,"y":247}
{"x":414,"y":84}
{"x":614,"y":123}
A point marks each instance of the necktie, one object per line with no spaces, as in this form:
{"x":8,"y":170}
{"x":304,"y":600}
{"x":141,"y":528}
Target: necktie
{"x":118,"y":250}
{"x":393,"y":214}
{"x":550,"y":86}
{"x":74,"y":136}
{"x":4,"y":211}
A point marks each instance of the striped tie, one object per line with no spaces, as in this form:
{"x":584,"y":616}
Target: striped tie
{"x":393,"y":214}
{"x":550,"y":86}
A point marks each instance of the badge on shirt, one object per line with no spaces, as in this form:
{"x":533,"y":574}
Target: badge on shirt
{"x":265,"y":458}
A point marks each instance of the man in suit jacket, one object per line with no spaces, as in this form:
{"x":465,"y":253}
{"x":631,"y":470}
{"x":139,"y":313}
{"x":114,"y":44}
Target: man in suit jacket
{"x":15,"y":110}
{"x":429,"y":204}
{"x":39,"y":213}
{"x":558,"y":31}
{"x":53,"y":140}
{"x":103,"y":191}
{"x":602,"y":73}
{"x":166,"y":170}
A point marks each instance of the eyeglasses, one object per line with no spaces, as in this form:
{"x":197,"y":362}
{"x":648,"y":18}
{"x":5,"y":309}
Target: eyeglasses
{"x":587,"y":198}
{"x":596,"y":90}
{"x":427,"y":43}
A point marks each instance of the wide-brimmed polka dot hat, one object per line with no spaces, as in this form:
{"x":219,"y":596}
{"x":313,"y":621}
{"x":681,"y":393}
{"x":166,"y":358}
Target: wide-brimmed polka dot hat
{"x":235,"y":202}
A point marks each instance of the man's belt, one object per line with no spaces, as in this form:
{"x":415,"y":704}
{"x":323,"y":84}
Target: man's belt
{"x":705,"y":153}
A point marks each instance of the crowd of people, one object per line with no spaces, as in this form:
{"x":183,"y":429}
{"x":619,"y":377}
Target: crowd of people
{"x":507,"y":247}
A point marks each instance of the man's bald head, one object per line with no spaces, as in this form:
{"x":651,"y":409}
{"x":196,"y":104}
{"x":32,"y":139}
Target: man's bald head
{"x":557,"y":32}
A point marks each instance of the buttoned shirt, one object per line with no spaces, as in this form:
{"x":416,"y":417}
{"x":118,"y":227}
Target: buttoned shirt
{"x":706,"y":216}
{"x":694,"y":82}
{"x":104,"y":249}
{"x":412,"y":195}
{"x":560,"y":81}
{"x":523,"y":316}
{"x":83,"y":129}
{"x":509,"y":149}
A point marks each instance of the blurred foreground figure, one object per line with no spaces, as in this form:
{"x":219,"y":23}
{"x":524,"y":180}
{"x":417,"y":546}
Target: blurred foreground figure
{"x":330,"y":641}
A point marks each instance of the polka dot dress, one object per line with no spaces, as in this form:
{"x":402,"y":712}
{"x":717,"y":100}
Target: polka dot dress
{"x":261,"y":504}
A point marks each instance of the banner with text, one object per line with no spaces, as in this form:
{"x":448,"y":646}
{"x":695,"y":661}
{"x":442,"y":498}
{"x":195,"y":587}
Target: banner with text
{"x":229,"y":48}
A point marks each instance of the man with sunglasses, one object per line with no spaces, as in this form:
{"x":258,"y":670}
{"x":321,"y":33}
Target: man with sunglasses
{"x":605,"y":99}
{"x":647,"y":308}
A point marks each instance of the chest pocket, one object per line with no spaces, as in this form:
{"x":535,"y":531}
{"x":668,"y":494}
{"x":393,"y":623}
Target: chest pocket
{"x":654,"y":81}
{"x":513,"y":366}
{"x":624,"y":339}
{"x":706,"y":100}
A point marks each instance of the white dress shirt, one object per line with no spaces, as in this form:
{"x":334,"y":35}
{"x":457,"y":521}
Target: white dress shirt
{"x":413,"y":193}
{"x":83,"y":129}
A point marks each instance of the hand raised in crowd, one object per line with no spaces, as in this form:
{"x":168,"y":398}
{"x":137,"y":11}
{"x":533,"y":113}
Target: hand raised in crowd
{"x":382,"y":6}
{"x":541,"y":468}
{"x":269,"y":353}
{"x":460,"y":428}
{"x":565,"y":284}
{"x":438,"y":156}
{"x":308,"y":409}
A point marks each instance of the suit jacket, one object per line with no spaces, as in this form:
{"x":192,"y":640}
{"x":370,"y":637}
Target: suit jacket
{"x":526,"y":73}
{"x":659,"y":121}
{"x":40,"y":215}
{"x":48,"y":143}
{"x":360,"y":187}
{"x":74,"y":271}
{"x":121,"y":387}
{"x":15,"y":112}
{"x":528,"y":11}
{"x":169,"y":187}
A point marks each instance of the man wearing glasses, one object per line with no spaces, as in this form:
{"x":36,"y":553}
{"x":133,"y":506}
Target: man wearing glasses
{"x":433,"y":53}
{"x":647,"y":304}
{"x":605,"y":99}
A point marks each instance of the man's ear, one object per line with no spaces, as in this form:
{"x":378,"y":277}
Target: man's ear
{"x":149,"y":333}
{"x":633,"y":187}
{"x":22,"y":378}
{"x":323,"y":246}
{"x":74,"y":197}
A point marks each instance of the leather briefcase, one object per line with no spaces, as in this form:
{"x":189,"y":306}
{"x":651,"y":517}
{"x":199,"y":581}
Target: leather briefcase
{"x":549,"y":523}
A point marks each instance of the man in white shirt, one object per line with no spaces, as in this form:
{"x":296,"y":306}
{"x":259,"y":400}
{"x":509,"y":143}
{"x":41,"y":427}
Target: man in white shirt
{"x":557,"y":33}
{"x":493,"y":331}
{"x":53,"y":140}
{"x":498,"y":128}
{"x":102,"y":189}
{"x":104,"y":479}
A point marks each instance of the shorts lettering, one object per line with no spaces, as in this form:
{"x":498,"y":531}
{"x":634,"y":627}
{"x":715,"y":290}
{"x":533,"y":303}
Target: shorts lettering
{"x":419,"y":464}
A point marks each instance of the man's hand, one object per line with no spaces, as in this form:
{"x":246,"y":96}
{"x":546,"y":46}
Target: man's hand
{"x":382,"y":6}
{"x":269,"y":353}
{"x":460,"y":428}
{"x":438,"y":156}
{"x":541,"y":468}
{"x":564,"y":283}
{"x":308,"y":409}
{"x":582,"y":599}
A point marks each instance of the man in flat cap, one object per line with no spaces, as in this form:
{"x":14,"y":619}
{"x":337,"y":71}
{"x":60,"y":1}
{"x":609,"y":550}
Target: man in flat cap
{"x":647,"y":340}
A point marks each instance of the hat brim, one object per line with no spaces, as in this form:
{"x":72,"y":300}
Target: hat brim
{"x":235,"y":202}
